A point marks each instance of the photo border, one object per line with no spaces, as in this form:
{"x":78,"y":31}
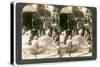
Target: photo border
{"x":19,"y":60}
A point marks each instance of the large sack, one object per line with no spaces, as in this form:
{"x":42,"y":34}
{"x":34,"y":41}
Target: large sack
{"x":47,"y":42}
{"x":79,"y":41}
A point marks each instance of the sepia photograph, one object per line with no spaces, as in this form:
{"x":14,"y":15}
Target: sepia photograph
{"x":53,"y":31}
